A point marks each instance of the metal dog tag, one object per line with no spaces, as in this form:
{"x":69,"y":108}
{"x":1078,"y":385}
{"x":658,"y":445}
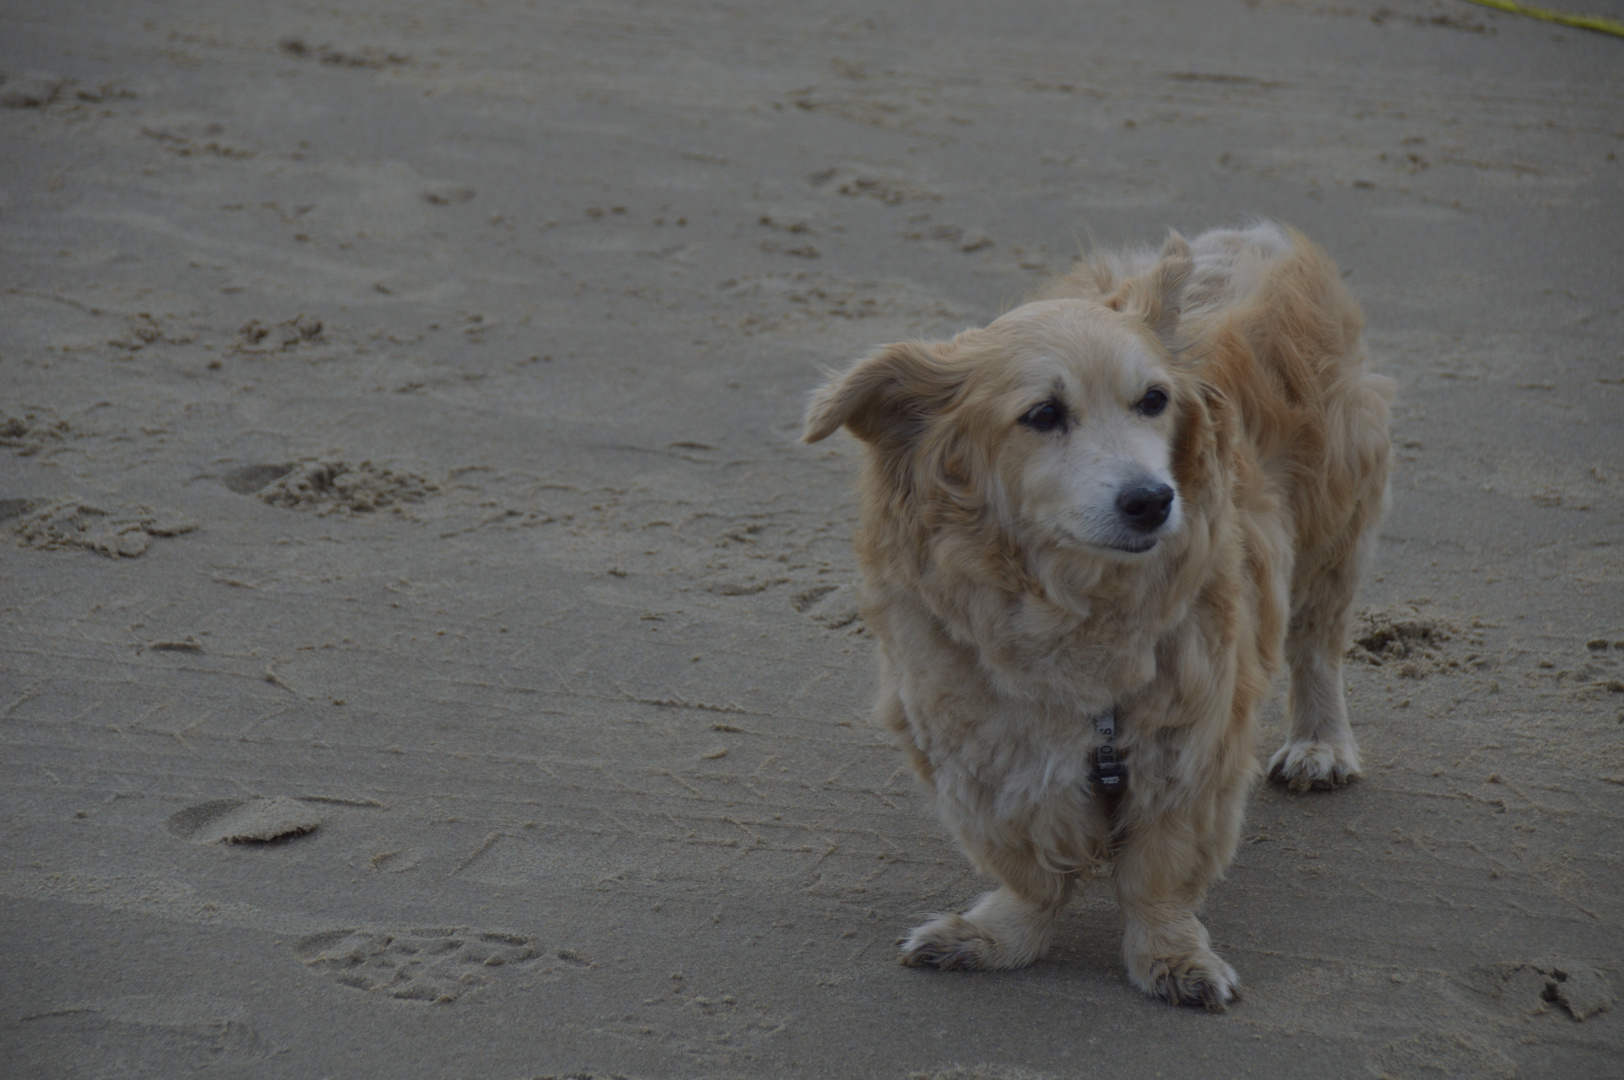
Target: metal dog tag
{"x":1110,"y":778}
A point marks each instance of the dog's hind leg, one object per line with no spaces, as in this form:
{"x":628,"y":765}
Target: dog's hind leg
{"x":1007,"y":928}
{"x":1319,"y":751}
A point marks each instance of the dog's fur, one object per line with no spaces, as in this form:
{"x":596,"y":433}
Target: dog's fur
{"x":1015,"y":599}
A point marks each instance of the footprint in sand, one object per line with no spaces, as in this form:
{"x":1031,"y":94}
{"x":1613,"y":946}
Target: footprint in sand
{"x":1416,"y":644}
{"x":140,"y":1035}
{"x":70,"y":523}
{"x":435,"y":965}
{"x":250,"y":478}
{"x":1443,"y":1054}
{"x":256,"y":336}
{"x":244,"y":821}
{"x":834,"y":606}
{"x":330,"y":486}
{"x":30,"y":433}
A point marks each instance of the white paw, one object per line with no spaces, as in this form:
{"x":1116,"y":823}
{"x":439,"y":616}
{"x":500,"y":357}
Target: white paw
{"x":1196,"y":978}
{"x":1310,"y":763}
{"x":958,"y":941}
{"x":947,"y":942}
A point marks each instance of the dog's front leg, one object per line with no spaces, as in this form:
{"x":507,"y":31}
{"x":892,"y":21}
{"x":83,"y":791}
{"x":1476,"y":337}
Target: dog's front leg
{"x":1163,"y":869}
{"x":1007,"y":928}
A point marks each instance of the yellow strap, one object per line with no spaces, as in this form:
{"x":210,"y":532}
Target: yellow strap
{"x":1584,"y":22}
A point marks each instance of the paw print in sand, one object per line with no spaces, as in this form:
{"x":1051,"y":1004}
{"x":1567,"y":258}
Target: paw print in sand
{"x":435,"y":965}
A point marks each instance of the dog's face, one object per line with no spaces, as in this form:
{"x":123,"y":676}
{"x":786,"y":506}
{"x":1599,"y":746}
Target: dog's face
{"x":1064,"y":421}
{"x":1080,"y":427}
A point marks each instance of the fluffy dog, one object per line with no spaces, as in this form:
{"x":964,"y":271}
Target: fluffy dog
{"x":1092,"y":531}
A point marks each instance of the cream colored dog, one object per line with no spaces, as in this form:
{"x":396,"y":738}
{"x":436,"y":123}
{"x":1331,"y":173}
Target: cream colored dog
{"x":1090,"y":532}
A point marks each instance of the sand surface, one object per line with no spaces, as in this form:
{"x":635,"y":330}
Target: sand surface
{"x":428,"y":652}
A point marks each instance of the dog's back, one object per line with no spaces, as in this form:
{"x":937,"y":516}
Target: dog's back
{"x":1230,"y":266}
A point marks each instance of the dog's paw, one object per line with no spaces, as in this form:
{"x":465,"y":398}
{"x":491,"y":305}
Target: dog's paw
{"x":1308,"y":763}
{"x":947,"y":942}
{"x":1198,"y":978}
{"x":953,"y":941}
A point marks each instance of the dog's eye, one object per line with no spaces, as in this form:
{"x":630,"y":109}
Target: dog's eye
{"x":1045,"y":417}
{"x":1154,"y":401}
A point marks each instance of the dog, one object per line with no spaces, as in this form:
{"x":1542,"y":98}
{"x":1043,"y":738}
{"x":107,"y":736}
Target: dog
{"x":1091,"y":534}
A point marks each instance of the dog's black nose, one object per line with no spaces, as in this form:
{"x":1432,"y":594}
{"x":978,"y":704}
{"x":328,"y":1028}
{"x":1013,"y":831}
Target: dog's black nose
{"x":1145,"y":506}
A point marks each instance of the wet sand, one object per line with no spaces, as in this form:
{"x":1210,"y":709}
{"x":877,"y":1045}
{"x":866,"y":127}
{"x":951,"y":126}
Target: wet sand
{"x":428,"y":651}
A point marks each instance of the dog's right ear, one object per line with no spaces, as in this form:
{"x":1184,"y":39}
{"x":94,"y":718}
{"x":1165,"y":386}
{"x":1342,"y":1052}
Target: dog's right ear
{"x":1157,"y":296}
{"x":884,"y":397}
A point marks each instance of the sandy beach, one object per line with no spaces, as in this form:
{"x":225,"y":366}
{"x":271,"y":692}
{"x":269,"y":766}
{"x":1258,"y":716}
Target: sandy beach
{"x":427,"y":651}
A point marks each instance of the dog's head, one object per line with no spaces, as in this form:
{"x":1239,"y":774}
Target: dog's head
{"x":1066,"y":423}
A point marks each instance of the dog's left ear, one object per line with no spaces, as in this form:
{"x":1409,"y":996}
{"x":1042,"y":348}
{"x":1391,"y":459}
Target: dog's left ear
{"x":1157,"y":297}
